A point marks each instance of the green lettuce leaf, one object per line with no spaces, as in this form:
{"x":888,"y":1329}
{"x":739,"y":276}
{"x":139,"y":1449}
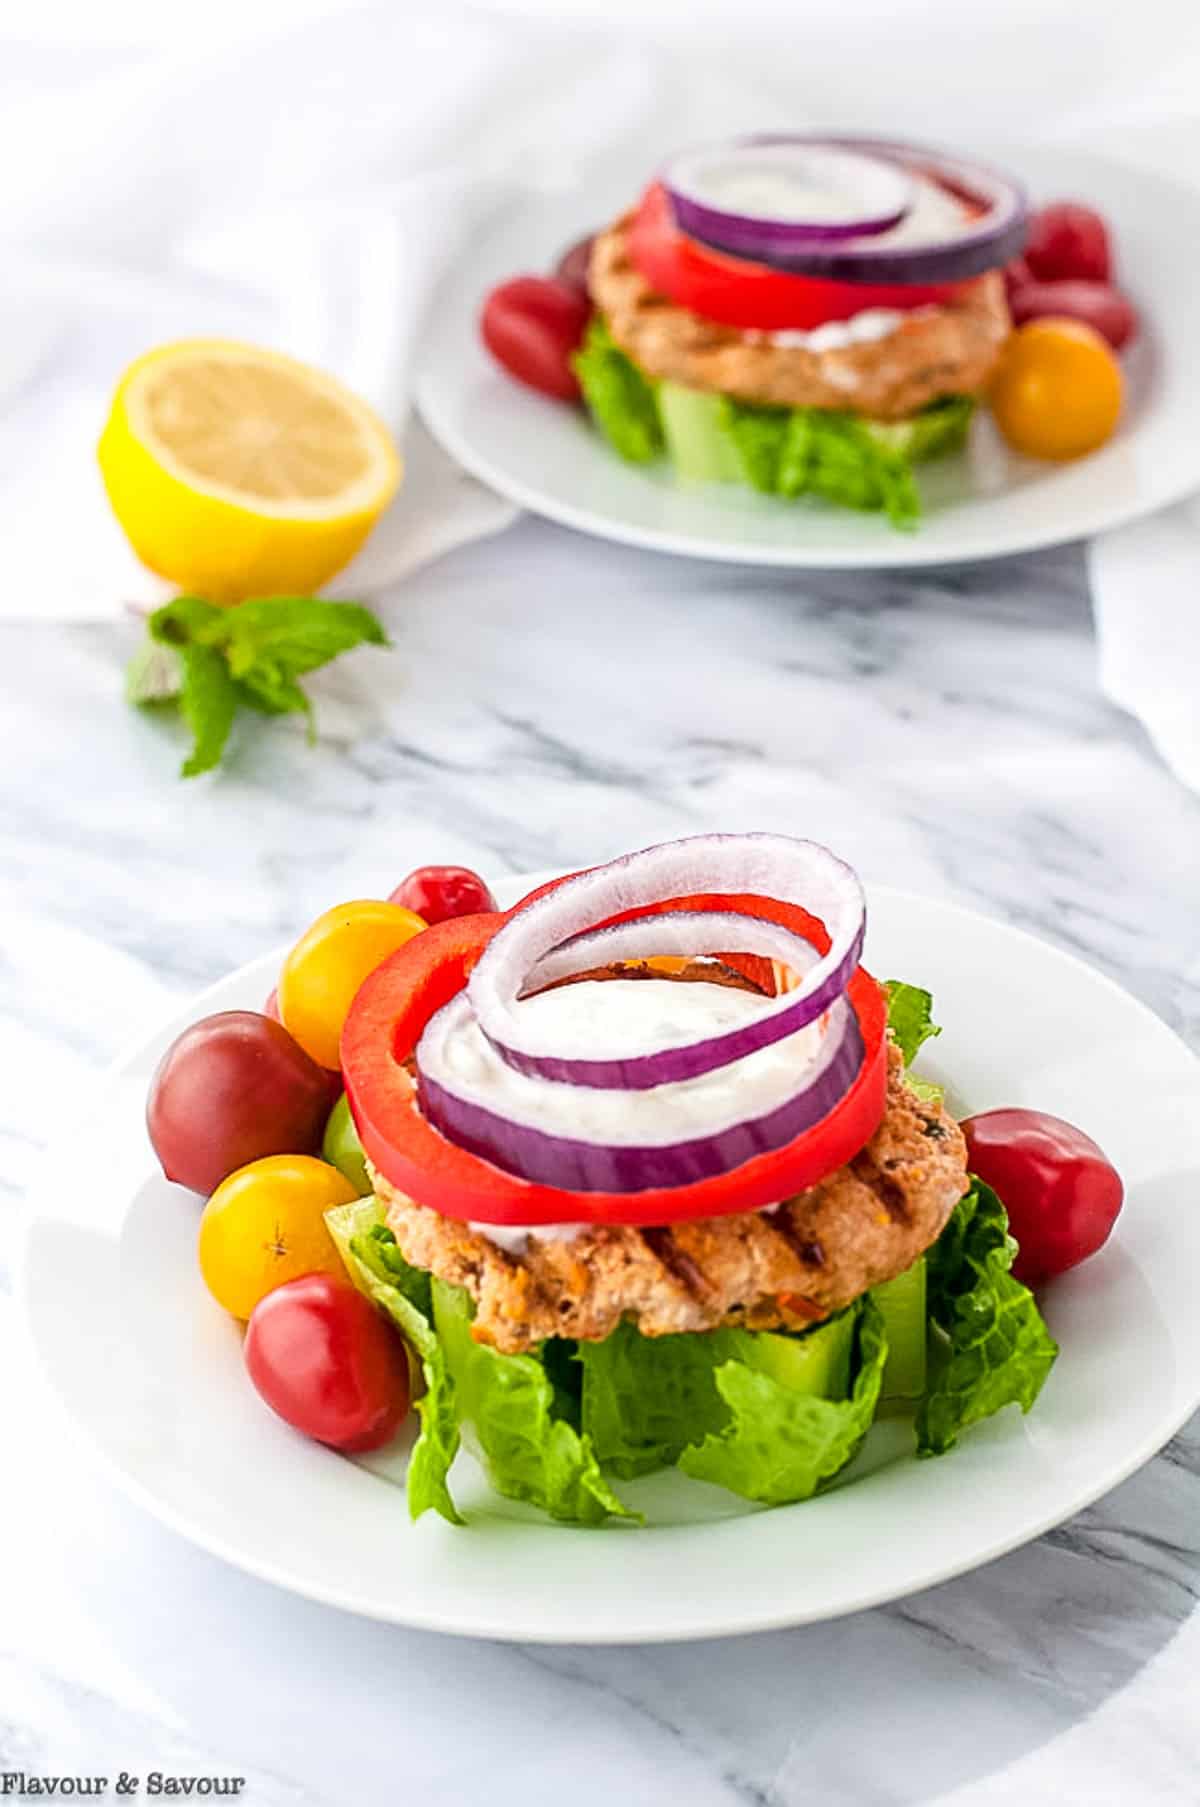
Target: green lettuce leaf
{"x":990,"y":1346}
{"x":376,"y":1266}
{"x":781,"y":1445}
{"x":621,"y":400}
{"x":910,"y":1017}
{"x":646,"y":1398}
{"x":526,"y":1426}
{"x":851,"y":461}
{"x":937,"y":429}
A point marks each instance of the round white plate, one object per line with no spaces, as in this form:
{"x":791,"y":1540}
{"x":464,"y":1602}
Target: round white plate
{"x":149,"y":1369}
{"x":984,"y":504}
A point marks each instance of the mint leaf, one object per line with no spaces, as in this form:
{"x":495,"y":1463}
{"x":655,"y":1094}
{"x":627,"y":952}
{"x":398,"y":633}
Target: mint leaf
{"x":188,"y":620}
{"x":209,"y":702}
{"x":153,"y":675}
{"x":910,"y":1017}
{"x":277,"y":637}
{"x":217,"y":660}
{"x":990,"y":1347}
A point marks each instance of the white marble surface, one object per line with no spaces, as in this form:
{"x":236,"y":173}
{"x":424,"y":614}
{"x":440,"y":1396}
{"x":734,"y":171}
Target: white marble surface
{"x":550,"y":699}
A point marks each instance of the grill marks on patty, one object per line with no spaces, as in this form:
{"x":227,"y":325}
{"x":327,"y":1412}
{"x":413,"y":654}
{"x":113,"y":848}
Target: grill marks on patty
{"x":860,"y":1226}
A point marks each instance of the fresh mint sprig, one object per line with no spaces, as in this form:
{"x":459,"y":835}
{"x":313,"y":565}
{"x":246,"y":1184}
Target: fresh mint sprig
{"x":213,"y":661}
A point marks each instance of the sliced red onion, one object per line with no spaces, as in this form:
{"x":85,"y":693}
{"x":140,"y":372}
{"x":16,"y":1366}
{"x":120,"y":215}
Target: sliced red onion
{"x":770,"y":197}
{"x":988,"y":242}
{"x":687,"y":934}
{"x":462,"y":1111}
{"x":762,"y":865}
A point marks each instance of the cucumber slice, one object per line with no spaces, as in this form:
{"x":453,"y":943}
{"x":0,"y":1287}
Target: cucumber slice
{"x":817,"y":1363}
{"x":902,"y":1302}
{"x":698,"y":442}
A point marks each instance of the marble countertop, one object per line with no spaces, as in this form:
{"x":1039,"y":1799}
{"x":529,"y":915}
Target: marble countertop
{"x":550,"y":699}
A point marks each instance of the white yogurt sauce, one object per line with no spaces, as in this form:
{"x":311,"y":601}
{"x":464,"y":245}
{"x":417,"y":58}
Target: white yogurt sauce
{"x":641,"y":1014}
{"x":860,"y":329}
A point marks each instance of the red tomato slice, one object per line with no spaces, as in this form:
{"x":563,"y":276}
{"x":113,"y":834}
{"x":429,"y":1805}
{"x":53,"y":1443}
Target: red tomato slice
{"x":736,"y":292}
{"x":392,"y":1009}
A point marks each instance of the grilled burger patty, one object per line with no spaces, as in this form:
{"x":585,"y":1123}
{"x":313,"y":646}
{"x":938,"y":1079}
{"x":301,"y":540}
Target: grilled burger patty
{"x":763,"y":1270}
{"x":937,"y":351}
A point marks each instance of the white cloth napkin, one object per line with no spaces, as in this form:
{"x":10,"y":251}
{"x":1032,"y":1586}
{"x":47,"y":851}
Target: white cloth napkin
{"x":1146,"y":596}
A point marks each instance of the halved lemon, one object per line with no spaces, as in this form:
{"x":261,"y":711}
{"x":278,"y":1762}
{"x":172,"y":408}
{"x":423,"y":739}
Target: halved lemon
{"x":239,"y":472}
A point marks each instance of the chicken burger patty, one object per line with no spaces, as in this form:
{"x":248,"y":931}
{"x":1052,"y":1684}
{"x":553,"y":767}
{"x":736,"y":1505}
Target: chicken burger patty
{"x":763,"y":1270}
{"x":934,"y":352}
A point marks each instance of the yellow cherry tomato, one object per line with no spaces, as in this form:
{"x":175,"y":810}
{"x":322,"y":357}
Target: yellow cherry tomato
{"x":266,"y":1224}
{"x":1057,"y":392}
{"x":328,"y":964}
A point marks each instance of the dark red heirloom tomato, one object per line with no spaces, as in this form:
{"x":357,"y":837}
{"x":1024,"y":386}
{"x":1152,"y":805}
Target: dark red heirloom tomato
{"x":439,"y":892}
{"x":533,"y":325}
{"x":572,"y":267}
{"x":1068,"y":241}
{"x":231,"y":1089}
{"x":1061,"y":1194}
{"x":325,"y":1361}
{"x":1103,"y":308}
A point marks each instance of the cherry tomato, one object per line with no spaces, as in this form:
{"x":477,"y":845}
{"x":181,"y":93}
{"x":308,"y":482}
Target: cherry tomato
{"x":1067,"y":240}
{"x":439,"y":892}
{"x":532,"y":326}
{"x":271,"y":1007}
{"x":738,"y":292}
{"x":1057,"y":391}
{"x":328,"y":964}
{"x":1061,"y":1194}
{"x":230,"y":1089}
{"x":572,"y":266}
{"x":266,"y":1224}
{"x":1095,"y":303}
{"x":325,"y":1361}
{"x":343,"y":1150}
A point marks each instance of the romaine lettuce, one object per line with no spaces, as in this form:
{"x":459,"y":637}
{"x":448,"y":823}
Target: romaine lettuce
{"x":621,"y":400}
{"x":377,"y":1267}
{"x":531,"y":1447}
{"x":848,"y":459}
{"x":780,"y":1445}
{"x":910,"y":1019}
{"x":990,"y":1346}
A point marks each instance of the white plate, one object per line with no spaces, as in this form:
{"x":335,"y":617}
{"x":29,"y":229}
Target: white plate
{"x":149,"y":1368}
{"x":987,"y":503}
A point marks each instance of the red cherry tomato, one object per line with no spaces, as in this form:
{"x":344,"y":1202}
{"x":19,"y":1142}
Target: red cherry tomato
{"x":271,"y":1007}
{"x":1067,"y":241}
{"x":1103,"y":308}
{"x":1061,"y":1194}
{"x":572,"y":266}
{"x":439,"y":892}
{"x":738,"y":292}
{"x":326,"y":1362}
{"x":230,"y":1090}
{"x":532,"y":326}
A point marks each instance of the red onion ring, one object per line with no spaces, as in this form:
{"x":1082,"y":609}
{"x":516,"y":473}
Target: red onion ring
{"x":457,"y":1110}
{"x":754,"y":864}
{"x":688,"y":934}
{"x":882,"y":194}
{"x":996,"y":238}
